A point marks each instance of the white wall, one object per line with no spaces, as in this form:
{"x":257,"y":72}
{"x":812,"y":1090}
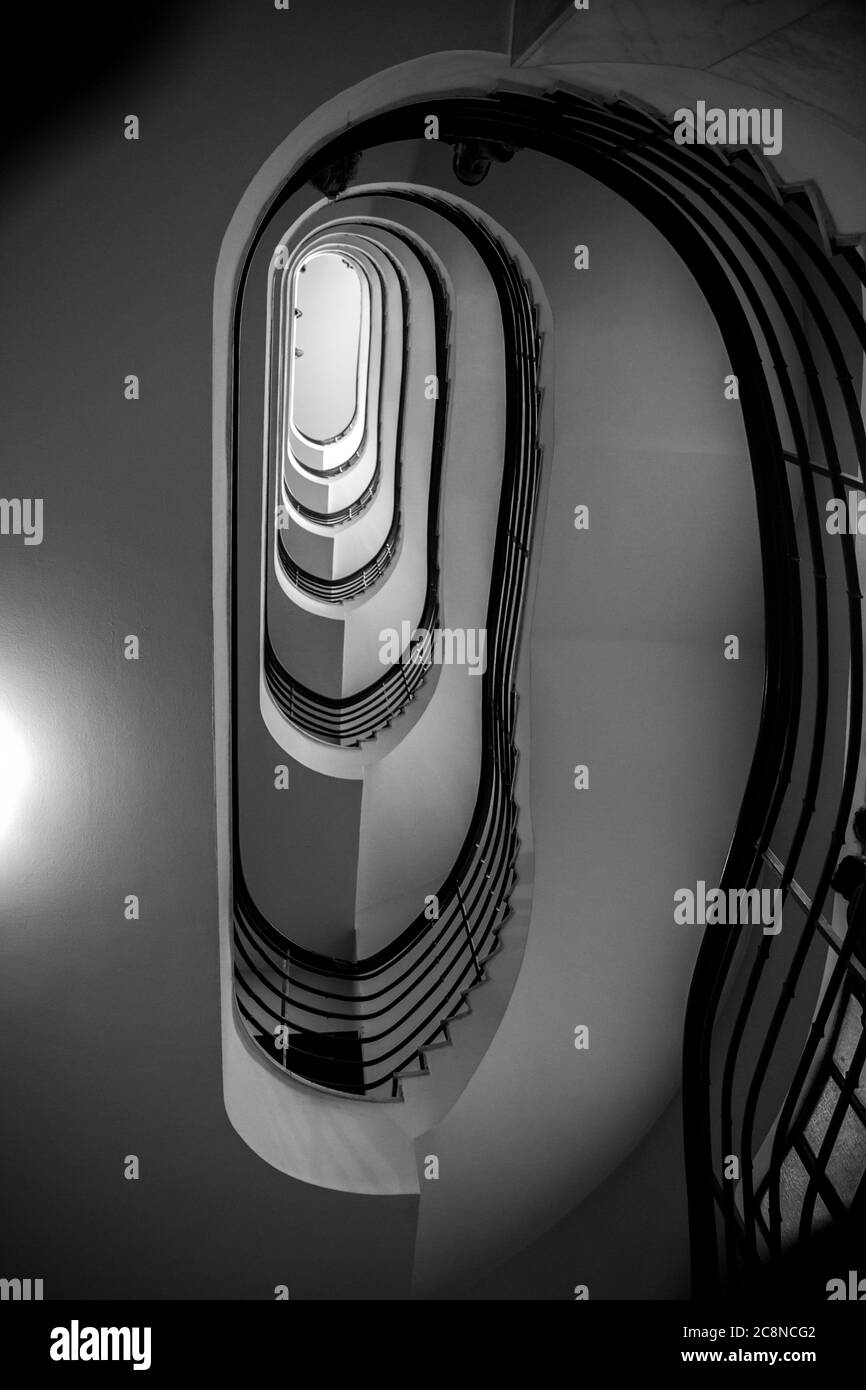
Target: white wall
{"x":628,"y":677}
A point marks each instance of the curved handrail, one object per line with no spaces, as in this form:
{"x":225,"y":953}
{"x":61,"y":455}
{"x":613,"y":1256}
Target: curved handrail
{"x":336,"y":518}
{"x":349,"y":720}
{"x":620,"y":149}
{"x":402,"y":999}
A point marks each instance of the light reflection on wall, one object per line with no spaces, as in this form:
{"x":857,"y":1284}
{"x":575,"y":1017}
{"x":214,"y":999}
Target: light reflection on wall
{"x":71,"y":749}
{"x":15,"y":772}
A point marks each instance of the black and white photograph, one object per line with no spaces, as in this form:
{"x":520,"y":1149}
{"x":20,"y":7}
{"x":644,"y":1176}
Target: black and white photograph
{"x":432,"y":744}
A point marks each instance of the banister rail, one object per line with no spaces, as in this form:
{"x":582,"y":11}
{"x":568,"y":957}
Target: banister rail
{"x":399,"y":1001}
{"x":352,"y":719}
{"x":748,"y":251}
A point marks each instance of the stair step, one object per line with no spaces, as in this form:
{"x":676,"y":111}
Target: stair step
{"x":409,"y":1071}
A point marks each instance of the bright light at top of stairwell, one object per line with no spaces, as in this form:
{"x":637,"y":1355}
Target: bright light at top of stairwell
{"x":14,"y":771}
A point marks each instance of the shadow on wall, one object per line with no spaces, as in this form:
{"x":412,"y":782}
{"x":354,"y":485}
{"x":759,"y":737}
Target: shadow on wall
{"x":623,"y":1242}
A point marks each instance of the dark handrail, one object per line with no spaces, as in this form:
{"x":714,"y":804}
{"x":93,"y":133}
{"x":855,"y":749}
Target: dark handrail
{"x":634,"y":155}
{"x":343,"y":514}
{"x":433,"y":968}
{"x":349,"y":720}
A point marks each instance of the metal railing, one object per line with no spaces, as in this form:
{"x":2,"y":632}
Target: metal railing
{"x":352,"y":719}
{"x":343,"y":514}
{"x":356,"y":1027}
{"x":763,"y":1022}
